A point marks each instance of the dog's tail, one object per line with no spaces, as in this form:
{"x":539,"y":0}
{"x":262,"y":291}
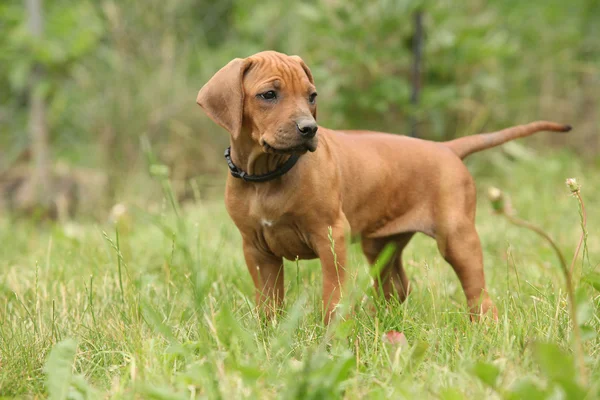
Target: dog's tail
{"x":471,"y":144}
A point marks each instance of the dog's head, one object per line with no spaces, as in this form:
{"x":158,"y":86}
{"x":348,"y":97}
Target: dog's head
{"x":270,"y":97}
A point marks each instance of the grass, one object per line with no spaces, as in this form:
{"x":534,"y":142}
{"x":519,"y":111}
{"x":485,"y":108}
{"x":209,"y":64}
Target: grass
{"x":166,"y":309}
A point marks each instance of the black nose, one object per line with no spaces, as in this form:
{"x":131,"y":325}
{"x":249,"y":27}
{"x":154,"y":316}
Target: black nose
{"x":307,"y":127}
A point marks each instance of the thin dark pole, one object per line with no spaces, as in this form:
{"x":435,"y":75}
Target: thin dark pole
{"x":416,"y":68}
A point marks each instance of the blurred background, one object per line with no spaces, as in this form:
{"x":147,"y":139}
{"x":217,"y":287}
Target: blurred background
{"x":96,"y":96}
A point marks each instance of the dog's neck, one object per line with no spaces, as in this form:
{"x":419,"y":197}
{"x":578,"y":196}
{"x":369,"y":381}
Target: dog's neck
{"x":249,"y":157}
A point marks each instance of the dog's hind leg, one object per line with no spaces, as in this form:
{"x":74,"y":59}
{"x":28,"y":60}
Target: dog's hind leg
{"x":392,"y":279}
{"x":459,"y":245}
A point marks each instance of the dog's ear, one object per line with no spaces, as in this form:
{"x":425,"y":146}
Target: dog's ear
{"x":222,"y":97}
{"x":305,"y":68}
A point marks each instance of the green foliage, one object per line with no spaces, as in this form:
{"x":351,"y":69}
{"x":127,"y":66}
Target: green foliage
{"x":118,"y":70}
{"x":556,"y":366}
{"x":320,"y":376}
{"x":369,"y":71}
{"x":70,"y":33}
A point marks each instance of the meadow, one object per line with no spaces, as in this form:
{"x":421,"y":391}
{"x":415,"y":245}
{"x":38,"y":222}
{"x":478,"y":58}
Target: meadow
{"x":160,"y":306}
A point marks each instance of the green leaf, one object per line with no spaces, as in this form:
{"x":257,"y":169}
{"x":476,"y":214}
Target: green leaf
{"x":82,"y":388}
{"x":226,"y":318}
{"x":152,"y":318}
{"x":554,"y":363}
{"x":290,"y":324}
{"x":451,"y":394}
{"x":588,"y":333}
{"x":526,"y":389}
{"x":149,"y":391}
{"x":593,"y":279}
{"x":418,"y":354}
{"x":572,"y":389}
{"x":487,"y":373}
{"x":382,"y":259}
{"x":585,"y":310}
{"x":59,"y":368}
{"x":344,"y":329}
{"x":250,"y":373}
{"x":342,"y":368}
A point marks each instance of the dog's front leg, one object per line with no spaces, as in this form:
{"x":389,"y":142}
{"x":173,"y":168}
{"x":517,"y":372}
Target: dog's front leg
{"x":266,"y":270}
{"x":331,"y":248}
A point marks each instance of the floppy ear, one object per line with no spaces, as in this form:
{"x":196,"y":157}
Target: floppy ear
{"x":305,"y":68}
{"x":222,"y":97}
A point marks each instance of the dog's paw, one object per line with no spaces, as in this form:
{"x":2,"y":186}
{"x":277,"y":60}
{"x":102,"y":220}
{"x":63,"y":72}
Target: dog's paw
{"x":484,"y":311}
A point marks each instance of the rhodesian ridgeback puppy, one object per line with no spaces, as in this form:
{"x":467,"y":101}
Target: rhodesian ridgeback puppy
{"x":294,"y":183}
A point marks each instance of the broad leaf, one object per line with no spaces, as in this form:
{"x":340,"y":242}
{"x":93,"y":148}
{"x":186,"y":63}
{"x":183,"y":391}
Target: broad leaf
{"x":451,"y":394}
{"x":487,"y":373}
{"x":526,"y":389}
{"x":554,"y":363}
{"x":58,"y":369}
{"x":593,"y":279}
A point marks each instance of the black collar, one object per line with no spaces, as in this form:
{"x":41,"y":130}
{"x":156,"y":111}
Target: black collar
{"x":238,"y":173}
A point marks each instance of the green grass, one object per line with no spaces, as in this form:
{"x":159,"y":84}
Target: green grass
{"x":173,"y":315}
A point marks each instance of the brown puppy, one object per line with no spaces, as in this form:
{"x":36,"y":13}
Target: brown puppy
{"x":381,"y":187}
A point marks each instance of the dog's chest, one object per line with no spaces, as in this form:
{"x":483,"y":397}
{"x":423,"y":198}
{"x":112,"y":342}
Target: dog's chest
{"x":266,"y":213}
{"x":285,"y":240}
{"x":278,"y":227}
{"x":267,"y":223}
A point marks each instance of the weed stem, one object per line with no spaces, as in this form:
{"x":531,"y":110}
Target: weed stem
{"x":577,"y":194}
{"x":500,"y":207}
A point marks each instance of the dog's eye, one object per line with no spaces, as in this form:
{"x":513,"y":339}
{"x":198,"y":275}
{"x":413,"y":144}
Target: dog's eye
{"x":268,"y":95}
{"x":312,"y":98}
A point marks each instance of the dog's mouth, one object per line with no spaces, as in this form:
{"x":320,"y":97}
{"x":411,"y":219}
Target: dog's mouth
{"x":302,"y":148}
